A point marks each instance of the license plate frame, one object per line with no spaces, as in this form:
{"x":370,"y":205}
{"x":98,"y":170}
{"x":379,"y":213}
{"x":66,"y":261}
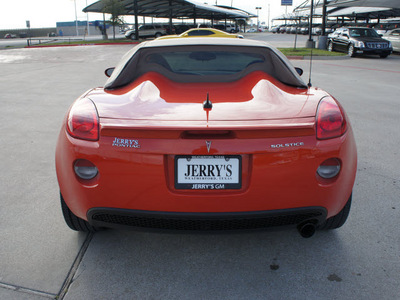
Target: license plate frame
{"x":222,"y":165}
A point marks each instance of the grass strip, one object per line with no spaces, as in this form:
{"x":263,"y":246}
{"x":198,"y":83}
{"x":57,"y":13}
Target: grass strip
{"x":307,"y":52}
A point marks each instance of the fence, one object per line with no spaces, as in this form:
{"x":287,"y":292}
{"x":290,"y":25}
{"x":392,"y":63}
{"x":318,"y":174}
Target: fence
{"x":25,"y":32}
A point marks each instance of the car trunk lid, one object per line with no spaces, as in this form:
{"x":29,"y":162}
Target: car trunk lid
{"x":254,"y":98}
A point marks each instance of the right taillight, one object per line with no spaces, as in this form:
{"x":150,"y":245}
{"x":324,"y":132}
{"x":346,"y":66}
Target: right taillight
{"x":83,"y":121}
{"x":331,"y":121}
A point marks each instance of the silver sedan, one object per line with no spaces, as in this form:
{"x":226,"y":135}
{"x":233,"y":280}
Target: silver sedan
{"x":394,"y":37}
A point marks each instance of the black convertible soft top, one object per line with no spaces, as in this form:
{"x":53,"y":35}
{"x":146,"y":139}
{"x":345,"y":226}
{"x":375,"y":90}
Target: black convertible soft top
{"x":203,"y":60}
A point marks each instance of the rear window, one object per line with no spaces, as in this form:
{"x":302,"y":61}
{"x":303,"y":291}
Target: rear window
{"x":203,"y":63}
{"x":200,"y":63}
{"x":200,"y":32}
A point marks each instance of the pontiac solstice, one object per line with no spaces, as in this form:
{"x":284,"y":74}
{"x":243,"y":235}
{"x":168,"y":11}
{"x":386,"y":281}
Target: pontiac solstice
{"x":205,"y":134}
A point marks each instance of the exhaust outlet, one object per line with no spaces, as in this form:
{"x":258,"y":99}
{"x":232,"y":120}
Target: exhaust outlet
{"x":307,"y":229}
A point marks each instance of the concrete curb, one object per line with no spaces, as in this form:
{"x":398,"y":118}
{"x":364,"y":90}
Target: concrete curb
{"x":318,"y":57}
{"x":327,"y":57}
{"x":75,"y":45}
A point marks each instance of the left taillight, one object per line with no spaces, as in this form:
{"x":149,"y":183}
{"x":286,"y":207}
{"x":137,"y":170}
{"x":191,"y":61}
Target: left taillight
{"x":83,"y":120}
{"x":331,"y":121}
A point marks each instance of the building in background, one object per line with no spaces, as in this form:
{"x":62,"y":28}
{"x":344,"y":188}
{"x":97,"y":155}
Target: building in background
{"x":81,"y":28}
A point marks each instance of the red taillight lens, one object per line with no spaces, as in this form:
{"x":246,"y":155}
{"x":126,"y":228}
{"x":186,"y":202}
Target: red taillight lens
{"x":83,"y":121}
{"x":331,"y":122}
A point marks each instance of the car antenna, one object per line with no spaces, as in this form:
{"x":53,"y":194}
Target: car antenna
{"x":309,"y":78}
{"x":207,"y":106}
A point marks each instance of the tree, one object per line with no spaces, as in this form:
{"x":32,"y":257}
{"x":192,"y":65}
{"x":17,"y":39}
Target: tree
{"x":115,"y":8}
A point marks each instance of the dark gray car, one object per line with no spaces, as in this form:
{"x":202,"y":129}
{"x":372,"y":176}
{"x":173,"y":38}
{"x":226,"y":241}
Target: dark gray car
{"x":359,"y":40}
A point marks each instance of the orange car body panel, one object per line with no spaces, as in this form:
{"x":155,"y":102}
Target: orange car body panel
{"x":272,"y":127}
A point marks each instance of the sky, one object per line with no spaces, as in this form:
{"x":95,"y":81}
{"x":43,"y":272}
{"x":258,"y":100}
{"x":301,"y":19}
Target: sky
{"x":45,"y":13}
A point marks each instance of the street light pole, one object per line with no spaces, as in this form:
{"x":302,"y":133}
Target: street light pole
{"x":76,"y":20}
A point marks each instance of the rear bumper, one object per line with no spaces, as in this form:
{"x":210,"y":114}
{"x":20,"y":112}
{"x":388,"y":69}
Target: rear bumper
{"x":274,"y":179}
{"x":229,"y":221}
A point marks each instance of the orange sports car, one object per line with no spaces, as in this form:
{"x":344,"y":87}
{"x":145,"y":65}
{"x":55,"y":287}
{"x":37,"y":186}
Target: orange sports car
{"x":206,"y":134}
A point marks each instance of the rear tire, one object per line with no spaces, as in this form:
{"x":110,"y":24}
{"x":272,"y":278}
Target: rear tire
{"x":73,"y":221}
{"x":338,"y":220}
{"x":330,"y":46}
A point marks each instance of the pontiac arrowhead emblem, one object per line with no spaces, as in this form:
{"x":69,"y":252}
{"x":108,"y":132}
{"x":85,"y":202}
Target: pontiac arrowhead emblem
{"x":208,"y":143}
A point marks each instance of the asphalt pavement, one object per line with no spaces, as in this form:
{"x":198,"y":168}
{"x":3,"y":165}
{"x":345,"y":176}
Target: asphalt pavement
{"x":41,"y":258}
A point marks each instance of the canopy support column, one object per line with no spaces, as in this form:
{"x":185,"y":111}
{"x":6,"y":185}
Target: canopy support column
{"x":170,"y":17}
{"x":194,"y":16}
{"x":136,"y":12}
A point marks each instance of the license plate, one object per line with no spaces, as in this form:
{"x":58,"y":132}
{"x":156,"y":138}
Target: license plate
{"x":208,"y":172}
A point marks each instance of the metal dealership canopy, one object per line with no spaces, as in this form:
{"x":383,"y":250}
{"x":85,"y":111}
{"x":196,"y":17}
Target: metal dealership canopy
{"x":173,"y":9}
{"x":349,"y":8}
{"x":366,"y":3}
{"x":355,"y":10}
{"x":366,"y":8}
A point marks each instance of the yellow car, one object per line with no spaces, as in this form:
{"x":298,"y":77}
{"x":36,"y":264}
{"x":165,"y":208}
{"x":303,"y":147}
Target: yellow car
{"x":201,"y":32}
